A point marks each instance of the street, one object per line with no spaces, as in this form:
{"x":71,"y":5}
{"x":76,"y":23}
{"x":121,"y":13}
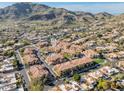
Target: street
{"x":23,"y":71}
{"x":45,"y":64}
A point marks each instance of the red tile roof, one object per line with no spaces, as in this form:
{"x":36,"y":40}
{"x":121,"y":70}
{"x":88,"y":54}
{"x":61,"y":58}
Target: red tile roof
{"x":71,"y":64}
{"x":51,"y":59}
{"x":37,"y":71}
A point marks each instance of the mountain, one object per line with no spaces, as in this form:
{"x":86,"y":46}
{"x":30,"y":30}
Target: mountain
{"x":103,"y":15}
{"x":20,"y":10}
{"x":86,"y":16}
{"x":53,"y":13}
{"x":32,"y":11}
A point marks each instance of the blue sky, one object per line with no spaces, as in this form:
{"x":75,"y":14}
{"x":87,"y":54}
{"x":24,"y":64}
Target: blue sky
{"x":94,"y":7}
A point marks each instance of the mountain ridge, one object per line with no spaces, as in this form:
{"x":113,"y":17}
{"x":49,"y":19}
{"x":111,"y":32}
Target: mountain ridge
{"x":33,"y":11}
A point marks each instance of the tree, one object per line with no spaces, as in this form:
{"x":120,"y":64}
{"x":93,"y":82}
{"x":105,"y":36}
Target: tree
{"x":19,"y":82}
{"x":15,"y":63}
{"x":25,"y":42}
{"x":22,"y":50}
{"x":9,"y":53}
{"x":9,"y":43}
{"x":99,"y":35}
{"x":66,"y":80}
{"x":113,"y":85}
{"x":99,"y":86}
{"x":106,"y":85}
{"x":67,"y":56}
{"x":103,"y":84}
{"x":36,"y":85}
{"x":76,"y":77}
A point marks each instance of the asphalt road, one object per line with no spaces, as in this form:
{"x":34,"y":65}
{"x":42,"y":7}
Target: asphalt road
{"x":23,"y":71}
{"x":45,"y":64}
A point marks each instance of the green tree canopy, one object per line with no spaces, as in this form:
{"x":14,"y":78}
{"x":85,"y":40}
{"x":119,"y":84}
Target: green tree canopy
{"x":36,"y":85}
{"x":76,"y":77}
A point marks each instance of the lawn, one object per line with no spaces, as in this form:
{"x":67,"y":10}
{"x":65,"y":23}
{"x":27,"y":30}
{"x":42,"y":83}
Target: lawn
{"x":99,"y":61}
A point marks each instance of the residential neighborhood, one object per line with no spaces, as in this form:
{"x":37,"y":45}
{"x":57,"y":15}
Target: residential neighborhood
{"x":54,"y":49}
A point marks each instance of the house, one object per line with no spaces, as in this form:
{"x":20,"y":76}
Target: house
{"x":84,"y":86}
{"x":90,"y":53}
{"x":121,"y":82}
{"x":1,"y":45}
{"x":111,"y":56}
{"x":20,"y":89}
{"x":76,"y":48}
{"x":42,"y":44}
{"x":121,"y":64}
{"x":89,"y":80}
{"x":30,"y":59}
{"x":73,"y":86}
{"x":6,"y":68}
{"x":28,"y":51}
{"x":1,"y":58}
{"x":18,"y":45}
{"x":114,"y":70}
{"x":29,"y":56}
{"x":90,"y":44}
{"x":10,"y":87}
{"x":54,"y":59}
{"x":79,"y":41}
{"x":38,"y":71}
{"x":7,"y":65}
{"x":59,"y":45}
{"x":64,"y":88}
{"x":120,"y":54}
{"x":7,"y":48}
{"x":109,"y":71}
{"x":100,"y":48}
{"x":107,"y":48}
{"x":1,"y":50}
{"x":8,"y":82}
{"x":112,"y":34}
{"x":56,"y":88}
{"x":95,"y":75}
{"x":73,"y":65}
{"x":58,"y":51}
{"x":105,"y":70}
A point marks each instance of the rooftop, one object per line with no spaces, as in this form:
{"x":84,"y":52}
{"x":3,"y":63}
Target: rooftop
{"x":51,"y":59}
{"x":71,"y":64}
{"x":38,"y":71}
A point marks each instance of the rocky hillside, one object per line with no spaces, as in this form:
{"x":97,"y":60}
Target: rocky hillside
{"x":31,"y":11}
{"x":19,"y":10}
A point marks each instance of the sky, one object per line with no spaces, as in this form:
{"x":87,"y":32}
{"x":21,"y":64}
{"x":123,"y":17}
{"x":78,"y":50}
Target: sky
{"x":93,"y":7}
